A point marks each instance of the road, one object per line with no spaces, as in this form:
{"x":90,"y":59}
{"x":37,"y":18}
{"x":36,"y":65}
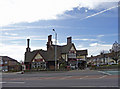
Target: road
{"x":75,"y":78}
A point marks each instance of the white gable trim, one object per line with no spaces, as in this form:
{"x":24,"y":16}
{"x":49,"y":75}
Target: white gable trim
{"x":73,"y":49}
{"x":38,"y":56}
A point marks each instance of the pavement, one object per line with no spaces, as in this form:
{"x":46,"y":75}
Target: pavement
{"x":75,"y":78}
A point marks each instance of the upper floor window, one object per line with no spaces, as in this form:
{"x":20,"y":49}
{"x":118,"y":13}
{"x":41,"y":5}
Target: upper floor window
{"x":1,"y":61}
{"x":71,"y":51}
{"x":5,"y":62}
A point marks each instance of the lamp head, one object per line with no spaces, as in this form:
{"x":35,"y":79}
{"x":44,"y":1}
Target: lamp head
{"x":53,"y":29}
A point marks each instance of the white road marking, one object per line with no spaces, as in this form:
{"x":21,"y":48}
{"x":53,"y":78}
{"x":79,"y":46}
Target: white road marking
{"x":12,"y":82}
{"x":104,"y":73}
{"x":2,"y":82}
{"x":84,"y":77}
{"x":50,"y":78}
{"x":65,"y":77}
{"x":94,"y":86}
{"x":102,"y":76}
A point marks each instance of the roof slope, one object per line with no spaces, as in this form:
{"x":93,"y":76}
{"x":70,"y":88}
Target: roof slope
{"x":30,"y":55}
{"x":6,"y":58}
{"x":48,"y":55}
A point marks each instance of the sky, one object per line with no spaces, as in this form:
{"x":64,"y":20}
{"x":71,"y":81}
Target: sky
{"x":92,"y":24}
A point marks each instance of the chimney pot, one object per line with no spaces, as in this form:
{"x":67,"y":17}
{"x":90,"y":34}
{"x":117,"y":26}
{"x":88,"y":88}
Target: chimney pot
{"x":69,"y":40}
{"x":28,"y":45}
{"x":49,"y":38}
{"x":49,"y":43}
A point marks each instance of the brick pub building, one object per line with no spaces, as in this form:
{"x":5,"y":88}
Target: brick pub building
{"x":45,"y":59}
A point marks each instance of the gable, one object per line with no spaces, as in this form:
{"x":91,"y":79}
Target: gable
{"x":72,"y":49}
{"x":38,"y":58}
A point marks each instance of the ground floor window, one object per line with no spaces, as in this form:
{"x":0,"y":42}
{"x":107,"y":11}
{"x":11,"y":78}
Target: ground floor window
{"x":38,"y":65}
{"x":5,"y":68}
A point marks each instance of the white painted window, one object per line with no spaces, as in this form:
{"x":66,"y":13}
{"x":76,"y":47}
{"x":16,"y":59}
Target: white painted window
{"x":5,"y":62}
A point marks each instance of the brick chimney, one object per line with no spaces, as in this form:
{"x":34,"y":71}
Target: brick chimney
{"x":28,"y":44}
{"x":69,"y":40}
{"x":49,"y":43}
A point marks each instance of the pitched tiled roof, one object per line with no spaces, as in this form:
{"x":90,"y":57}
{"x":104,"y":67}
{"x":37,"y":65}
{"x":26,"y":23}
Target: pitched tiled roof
{"x":49,"y":55}
{"x":30,"y":55}
{"x":6,"y":58}
{"x":66,"y":48}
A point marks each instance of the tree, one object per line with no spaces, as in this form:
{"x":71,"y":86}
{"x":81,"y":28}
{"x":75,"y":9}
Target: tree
{"x":21,"y":61}
{"x":115,"y":51}
{"x":103,"y":55}
{"x":115,"y":56}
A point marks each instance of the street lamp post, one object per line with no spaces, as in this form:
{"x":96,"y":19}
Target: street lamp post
{"x":77,"y":64}
{"x":55,"y":47}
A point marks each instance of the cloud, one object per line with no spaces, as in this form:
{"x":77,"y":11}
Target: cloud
{"x":61,"y":43}
{"x":7,"y":29}
{"x":100,"y":36}
{"x":100,"y":12}
{"x":40,"y":39}
{"x":87,"y":39}
{"x":13,"y":37}
{"x":97,"y":44}
{"x":95,"y":48}
{"x":16,"y":42}
{"x":81,"y":47}
{"x":15,"y":11}
{"x":16,"y":51}
{"x":29,"y":27}
{"x":94,"y":44}
{"x":10,"y":34}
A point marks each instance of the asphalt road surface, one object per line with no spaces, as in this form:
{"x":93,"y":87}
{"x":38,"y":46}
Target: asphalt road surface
{"x":75,"y":78}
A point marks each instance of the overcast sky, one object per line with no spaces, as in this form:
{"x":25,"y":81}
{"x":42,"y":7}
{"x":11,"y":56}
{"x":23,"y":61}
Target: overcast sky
{"x":92,"y":24}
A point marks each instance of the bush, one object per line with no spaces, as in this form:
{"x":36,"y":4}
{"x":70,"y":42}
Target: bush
{"x":63,"y":66}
